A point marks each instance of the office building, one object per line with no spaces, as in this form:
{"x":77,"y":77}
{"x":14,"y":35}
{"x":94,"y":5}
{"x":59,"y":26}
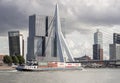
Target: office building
{"x":114,"y":49}
{"x":46,"y":41}
{"x":98,"y":46}
{"x":98,"y":38}
{"x":14,"y":43}
{"x":116,"y":38}
{"x":42,"y":44}
{"x":97,"y":52}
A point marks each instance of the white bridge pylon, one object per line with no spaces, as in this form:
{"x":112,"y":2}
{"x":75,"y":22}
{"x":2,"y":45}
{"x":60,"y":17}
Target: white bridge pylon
{"x":61,"y":43}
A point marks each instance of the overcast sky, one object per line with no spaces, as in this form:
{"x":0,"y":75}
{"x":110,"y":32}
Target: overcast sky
{"x":83,"y":17}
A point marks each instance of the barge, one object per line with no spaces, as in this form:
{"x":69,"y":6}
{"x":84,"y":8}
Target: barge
{"x":50,"y":66}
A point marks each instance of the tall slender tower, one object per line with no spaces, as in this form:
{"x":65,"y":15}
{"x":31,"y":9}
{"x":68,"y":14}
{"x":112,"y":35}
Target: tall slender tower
{"x":98,"y":46}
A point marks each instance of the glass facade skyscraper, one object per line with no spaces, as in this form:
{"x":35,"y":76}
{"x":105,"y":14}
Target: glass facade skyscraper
{"x":98,"y":46}
{"x":98,"y":38}
{"x":115,"y":47}
{"x":14,"y":43}
{"x":116,"y":38}
{"x":41,"y":41}
{"x":37,"y":33}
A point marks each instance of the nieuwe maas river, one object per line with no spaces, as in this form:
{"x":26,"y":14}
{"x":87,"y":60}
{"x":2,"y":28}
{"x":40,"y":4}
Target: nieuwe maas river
{"x":85,"y":76}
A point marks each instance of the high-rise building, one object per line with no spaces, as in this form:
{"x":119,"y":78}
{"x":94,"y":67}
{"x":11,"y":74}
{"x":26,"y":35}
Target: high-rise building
{"x":98,"y":38}
{"x":42,"y":40}
{"x":98,"y":46}
{"x":114,"y":49}
{"x":14,"y":43}
{"x":97,"y":52}
{"x":116,"y":38}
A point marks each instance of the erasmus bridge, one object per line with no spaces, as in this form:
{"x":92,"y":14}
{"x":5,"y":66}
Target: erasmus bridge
{"x":62,"y":46}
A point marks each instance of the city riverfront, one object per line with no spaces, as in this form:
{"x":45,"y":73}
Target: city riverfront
{"x":106,"y":75}
{"x":83,"y":34}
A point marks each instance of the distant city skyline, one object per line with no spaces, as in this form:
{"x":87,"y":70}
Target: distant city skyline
{"x":83,"y":18}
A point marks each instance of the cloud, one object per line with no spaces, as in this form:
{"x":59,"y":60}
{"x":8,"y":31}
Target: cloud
{"x":14,"y":13}
{"x":10,"y":17}
{"x":106,"y":12}
{"x":4,"y":45}
{"x":82,"y":18}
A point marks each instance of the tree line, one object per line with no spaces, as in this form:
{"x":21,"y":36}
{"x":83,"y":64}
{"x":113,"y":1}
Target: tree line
{"x":17,"y":60}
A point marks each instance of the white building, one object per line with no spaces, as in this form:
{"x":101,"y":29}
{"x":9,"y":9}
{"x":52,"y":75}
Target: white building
{"x":98,"y":38}
{"x":98,"y":46}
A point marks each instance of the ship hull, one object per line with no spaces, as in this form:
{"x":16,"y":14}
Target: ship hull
{"x":51,"y":66}
{"x":48,"y":69}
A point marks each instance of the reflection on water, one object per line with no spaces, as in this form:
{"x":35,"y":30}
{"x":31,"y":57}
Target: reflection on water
{"x":8,"y":71}
{"x":77,"y":76}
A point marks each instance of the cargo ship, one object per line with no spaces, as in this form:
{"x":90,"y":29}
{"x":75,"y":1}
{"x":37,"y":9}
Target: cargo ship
{"x":50,"y":66}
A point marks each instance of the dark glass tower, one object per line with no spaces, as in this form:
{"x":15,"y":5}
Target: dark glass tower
{"x":97,"y":52}
{"x":14,"y":43}
{"x":116,"y":38}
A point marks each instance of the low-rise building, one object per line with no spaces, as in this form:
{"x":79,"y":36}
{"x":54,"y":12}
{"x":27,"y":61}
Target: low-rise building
{"x":83,"y":58}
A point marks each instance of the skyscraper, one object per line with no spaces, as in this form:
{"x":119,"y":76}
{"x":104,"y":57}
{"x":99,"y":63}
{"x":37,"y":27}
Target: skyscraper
{"x":38,"y":31}
{"x":42,"y":46}
{"x":116,"y":38}
{"x":98,"y":38}
{"x":114,"y":49}
{"x":98,"y":46}
{"x":14,"y":43}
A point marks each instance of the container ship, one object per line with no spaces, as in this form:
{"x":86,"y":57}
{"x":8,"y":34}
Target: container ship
{"x":50,"y":66}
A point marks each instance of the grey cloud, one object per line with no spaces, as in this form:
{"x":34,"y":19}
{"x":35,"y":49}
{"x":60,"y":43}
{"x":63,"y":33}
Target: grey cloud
{"x":14,"y":13}
{"x":92,"y":13}
{"x":101,"y":14}
{"x":10,"y":17}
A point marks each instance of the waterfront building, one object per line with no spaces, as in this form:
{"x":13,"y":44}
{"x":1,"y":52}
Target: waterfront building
{"x":46,"y":41}
{"x":14,"y":43}
{"x":116,"y":38}
{"x":98,"y":38}
{"x":42,"y":46}
{"x":83,"y":58}
{"x":98,"y":46}
{"x":97,"y":52}
{"x":114,"y":49}
{"x":38,"y":36}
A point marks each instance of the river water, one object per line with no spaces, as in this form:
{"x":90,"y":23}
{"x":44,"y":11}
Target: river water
{"x":77,"y":76}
